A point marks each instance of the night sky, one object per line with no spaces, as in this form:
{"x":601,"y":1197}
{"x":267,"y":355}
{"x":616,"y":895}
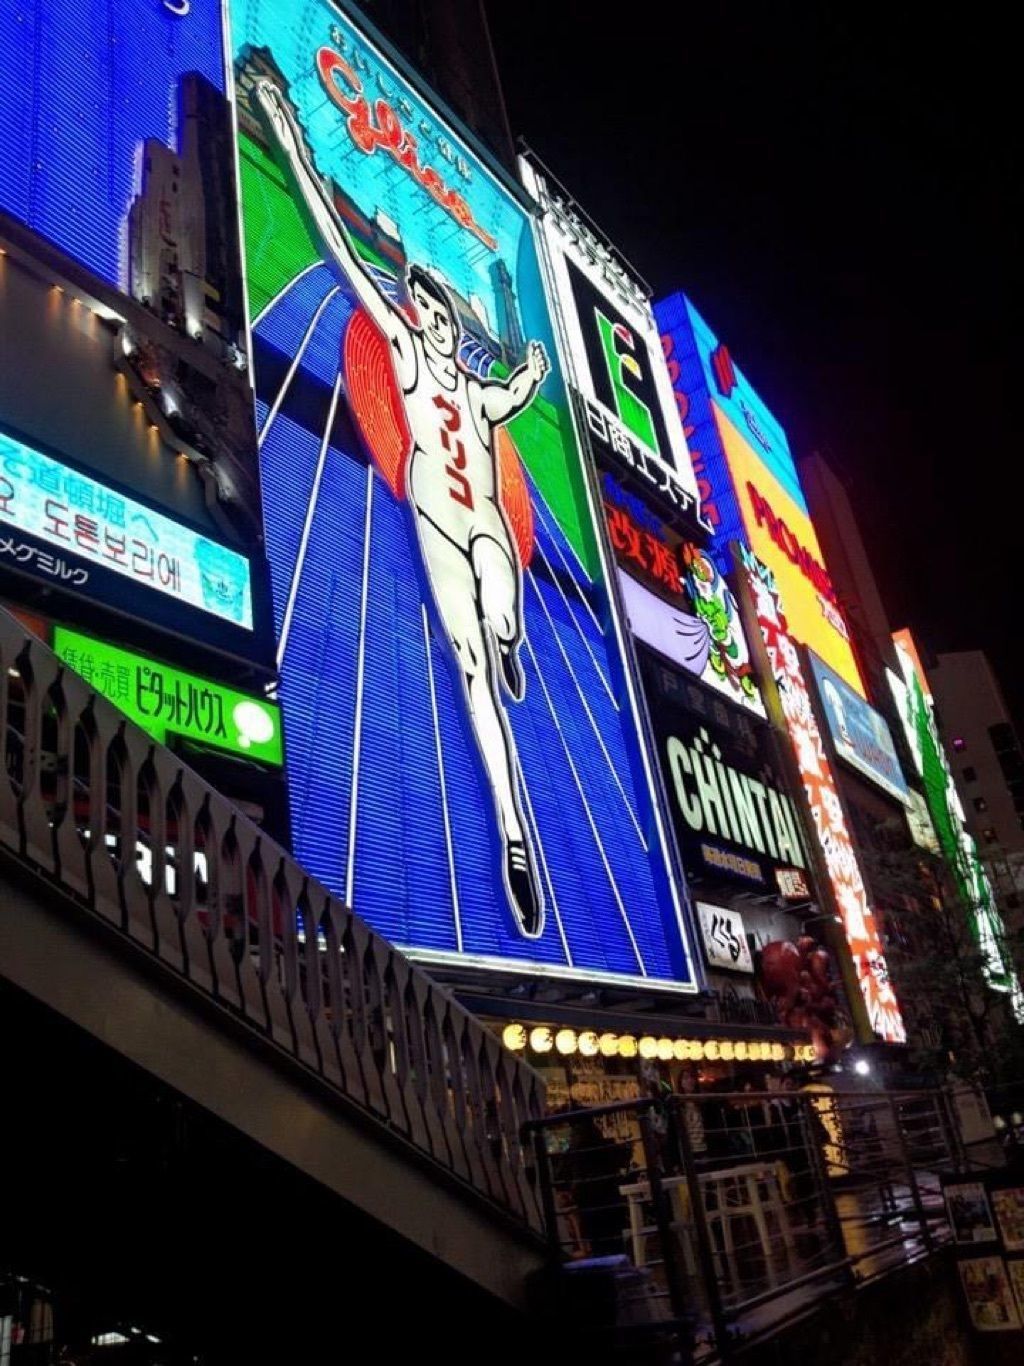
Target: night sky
{"x":840,"y":194}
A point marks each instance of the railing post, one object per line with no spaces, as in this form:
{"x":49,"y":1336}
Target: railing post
{"x":915,"y":1193}
{"x":663,"y":1219}
{"x":817,"y":1156}
{"x":705,"y":1246}
{"x":954,"y":1138}
{"x":542,"y":1158}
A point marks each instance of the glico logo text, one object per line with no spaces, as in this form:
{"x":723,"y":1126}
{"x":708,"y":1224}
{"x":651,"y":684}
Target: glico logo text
{"x":789,"y":545}
{"x":379,"y":126}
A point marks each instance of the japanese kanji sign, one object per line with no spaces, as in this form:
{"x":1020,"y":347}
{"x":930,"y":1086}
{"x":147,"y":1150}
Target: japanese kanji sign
{"x":166,"y":701}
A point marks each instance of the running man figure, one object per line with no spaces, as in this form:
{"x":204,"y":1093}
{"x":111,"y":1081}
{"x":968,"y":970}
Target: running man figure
{"x":452,"y":481}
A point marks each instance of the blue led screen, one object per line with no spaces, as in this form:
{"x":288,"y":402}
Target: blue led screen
{"x":696,"y":410}
{"x":421,"y":564}
{"x":83,"y":83}
{"x":736,"y":396}
{"x":860,"y":733}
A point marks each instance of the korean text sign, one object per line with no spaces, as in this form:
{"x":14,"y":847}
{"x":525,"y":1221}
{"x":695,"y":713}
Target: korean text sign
{"x":96,"y":532}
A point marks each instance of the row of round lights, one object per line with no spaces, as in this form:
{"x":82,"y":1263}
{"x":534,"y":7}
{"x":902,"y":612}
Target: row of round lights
{"x":589,"y":1044}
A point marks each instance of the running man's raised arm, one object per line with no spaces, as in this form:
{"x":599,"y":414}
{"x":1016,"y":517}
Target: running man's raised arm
{"x":501,"y":402}
{"x":280,"y":123}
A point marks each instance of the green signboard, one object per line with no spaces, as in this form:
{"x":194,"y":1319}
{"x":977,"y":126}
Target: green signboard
{"x":166,"y":701}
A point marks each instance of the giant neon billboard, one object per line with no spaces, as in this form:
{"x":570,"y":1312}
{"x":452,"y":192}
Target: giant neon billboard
{"x":749,"y":483}
{"x":463,"y":757}
{"x":851,"y":898}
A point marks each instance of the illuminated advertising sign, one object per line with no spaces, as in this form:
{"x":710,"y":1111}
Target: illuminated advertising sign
{"x":732,"y":817}
{"x":922,"y":832}
{"x":724,"y":937}
{"x":752,"y":487}
{"x":118,"y":157}
{"x":464,"y":761}
{"x":81,"y":89}
{"x":70,"y":531}
{"x":675,"y":598}
{"x":613,"y":445}
{"x":914,"y":702}
{"x":859,"y":733}
{"x":614,"y":356}
{"x":717,"y":379}
{"x":166,"y":701}
{"x":826,"y":809}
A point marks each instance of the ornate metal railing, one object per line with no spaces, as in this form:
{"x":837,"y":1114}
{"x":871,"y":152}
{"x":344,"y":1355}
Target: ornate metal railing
{"x":120,"y":824}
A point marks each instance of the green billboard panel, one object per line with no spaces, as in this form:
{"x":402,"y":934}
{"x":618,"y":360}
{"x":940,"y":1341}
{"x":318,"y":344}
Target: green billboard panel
{"x":165,"y":701}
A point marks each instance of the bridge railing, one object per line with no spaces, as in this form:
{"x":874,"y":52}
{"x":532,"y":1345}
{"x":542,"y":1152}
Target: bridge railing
{"x":117,"y":821}
{"x":730,"y":1215}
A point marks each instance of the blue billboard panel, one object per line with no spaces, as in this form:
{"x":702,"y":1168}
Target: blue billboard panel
{"x":726,"y":384}
{"x":463,"y":757}
{"x":860,"y":734}
{"x":719,"y":503}
{"x":83,"y":84}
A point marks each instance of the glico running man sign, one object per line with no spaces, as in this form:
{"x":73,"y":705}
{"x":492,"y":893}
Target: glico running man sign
{"x":463,"y":756}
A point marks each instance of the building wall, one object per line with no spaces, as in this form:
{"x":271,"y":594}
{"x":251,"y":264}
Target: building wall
{"x":984,"y":751}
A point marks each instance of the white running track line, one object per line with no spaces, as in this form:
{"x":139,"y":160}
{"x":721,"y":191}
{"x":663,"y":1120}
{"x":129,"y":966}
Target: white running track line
{"x":300,"y":352}
{"x":300,"y":558}
{"x":538,"y":503}
{"x":357,"y":727}
{"x":538,"y":843}
{"x":282,"y":292}
{"x":582,"y":635}
{"x":590,"y":817}
{"x":590,"y":715}
{"x":444,"y":786}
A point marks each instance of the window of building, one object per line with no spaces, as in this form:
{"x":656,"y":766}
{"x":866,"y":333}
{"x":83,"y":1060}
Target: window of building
{"x":970,"y":775}
{"x":959,"y":744}
{"x":980,"y":804}
{"x":989,"y":835}
{"x":1002,"y":737}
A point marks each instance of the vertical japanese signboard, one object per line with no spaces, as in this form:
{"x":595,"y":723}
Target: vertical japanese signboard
{"x":914,"y":702}
{"x":851,"y":899}
{"x":674,"y":595}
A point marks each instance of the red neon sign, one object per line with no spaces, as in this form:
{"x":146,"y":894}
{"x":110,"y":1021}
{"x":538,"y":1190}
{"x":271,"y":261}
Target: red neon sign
{"x":787,"y":542}
{"x":378,"y":126}
{"x":637,"y":548}
{"x":725,"y":372}
{"x":827,"y":812}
